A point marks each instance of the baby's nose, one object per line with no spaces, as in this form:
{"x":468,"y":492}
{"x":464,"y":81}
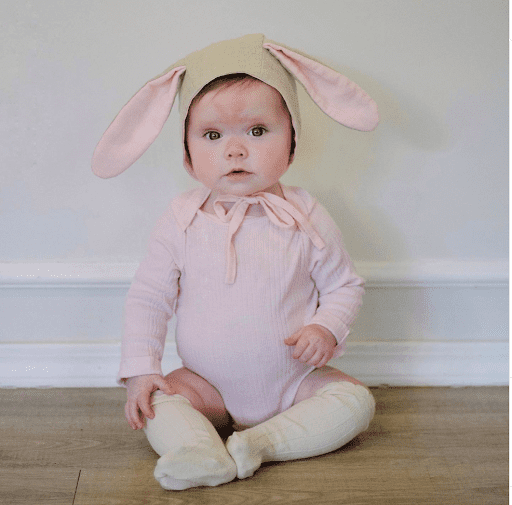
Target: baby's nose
{"x":236,"y":150}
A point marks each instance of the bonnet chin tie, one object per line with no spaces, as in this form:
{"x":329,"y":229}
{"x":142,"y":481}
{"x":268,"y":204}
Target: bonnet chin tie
{"x":278,"y":210}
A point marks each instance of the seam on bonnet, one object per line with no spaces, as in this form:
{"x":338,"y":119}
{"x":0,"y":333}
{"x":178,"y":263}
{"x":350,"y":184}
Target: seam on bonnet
{"x":262,"y":56}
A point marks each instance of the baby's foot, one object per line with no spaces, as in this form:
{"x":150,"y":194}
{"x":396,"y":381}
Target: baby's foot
{"x":247,"y":458}
{"x":189,"y":467}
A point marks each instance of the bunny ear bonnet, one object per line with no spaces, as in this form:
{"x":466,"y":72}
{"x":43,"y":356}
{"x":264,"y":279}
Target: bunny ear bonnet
{"x":140,"y":121}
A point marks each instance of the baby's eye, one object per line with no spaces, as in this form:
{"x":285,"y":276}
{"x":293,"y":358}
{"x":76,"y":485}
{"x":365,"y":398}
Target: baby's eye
{"x":211,"y":135}
{"x":257,"y":131}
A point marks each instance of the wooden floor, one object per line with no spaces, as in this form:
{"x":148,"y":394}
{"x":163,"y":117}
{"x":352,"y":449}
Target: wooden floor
{"x":425,"y":446}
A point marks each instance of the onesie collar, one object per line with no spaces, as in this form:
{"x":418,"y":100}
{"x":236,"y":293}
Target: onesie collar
{"x":186,"y":205}
{"x":283,"y":212}
{"x":279,"y":211}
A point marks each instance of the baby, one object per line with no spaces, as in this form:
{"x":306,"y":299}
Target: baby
{"x":255,"y":272}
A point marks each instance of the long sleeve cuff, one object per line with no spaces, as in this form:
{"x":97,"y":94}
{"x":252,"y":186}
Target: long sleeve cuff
{"x":142,"y":365}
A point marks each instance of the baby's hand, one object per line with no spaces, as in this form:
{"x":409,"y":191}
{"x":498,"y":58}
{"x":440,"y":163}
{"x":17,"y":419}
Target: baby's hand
{"x":138,"y":393}
{"x":314,"y":345}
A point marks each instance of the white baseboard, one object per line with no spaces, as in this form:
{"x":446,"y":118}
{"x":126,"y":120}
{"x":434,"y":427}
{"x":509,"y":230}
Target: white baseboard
{"x":432,"y":273}
{"x":427,"y":363}
{"x":375,"y":363}
{"x":423,"y":323}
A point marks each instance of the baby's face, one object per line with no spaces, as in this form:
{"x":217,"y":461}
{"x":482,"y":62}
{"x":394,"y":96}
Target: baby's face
{"x":239,"y":139}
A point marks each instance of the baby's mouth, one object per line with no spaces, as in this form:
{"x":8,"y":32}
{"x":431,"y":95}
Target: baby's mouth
{"x":239,"y":171}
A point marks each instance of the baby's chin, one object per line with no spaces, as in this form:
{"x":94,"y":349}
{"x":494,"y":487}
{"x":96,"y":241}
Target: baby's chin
{"x":242,"y":190}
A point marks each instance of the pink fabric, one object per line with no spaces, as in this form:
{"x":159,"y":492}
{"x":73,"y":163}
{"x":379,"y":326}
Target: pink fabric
{"x":279,"y":211}
{"x":335,"y":94}
{"x":136,"y":126}
{"x":232,"y":334}
{"x":141,"y":120}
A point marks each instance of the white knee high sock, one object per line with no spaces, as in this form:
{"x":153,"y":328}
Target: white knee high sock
{"x":323,"y":423}
{"x":192,"y":453}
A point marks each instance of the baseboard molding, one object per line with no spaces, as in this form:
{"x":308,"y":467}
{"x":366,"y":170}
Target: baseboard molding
{"x":427,"y":273}
{"x":375,"y":363}
{"x":422,"y":323}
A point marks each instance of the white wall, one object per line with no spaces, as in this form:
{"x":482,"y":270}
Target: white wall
{"x":422,"y":201}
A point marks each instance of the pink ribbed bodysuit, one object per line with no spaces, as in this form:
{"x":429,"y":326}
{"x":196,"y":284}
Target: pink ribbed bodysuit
{"x":232,"y":334}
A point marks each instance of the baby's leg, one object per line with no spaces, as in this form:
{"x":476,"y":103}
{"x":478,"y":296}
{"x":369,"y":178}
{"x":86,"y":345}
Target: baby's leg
{"x":323,"y":421}
{"x":192,"y":452}
{"x":202,"y":395}
{"x":319,"y":378}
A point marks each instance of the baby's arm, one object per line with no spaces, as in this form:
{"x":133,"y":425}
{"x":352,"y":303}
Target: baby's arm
{"x":150,"y":304}
{"x":340,"y":292}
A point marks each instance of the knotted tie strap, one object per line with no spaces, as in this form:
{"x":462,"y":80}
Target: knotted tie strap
{"x":279,"y":211}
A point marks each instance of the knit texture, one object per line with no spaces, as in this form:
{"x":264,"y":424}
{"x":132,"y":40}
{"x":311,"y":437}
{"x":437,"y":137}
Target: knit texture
{"x":233,"y":334}
{"x":333,"y":416}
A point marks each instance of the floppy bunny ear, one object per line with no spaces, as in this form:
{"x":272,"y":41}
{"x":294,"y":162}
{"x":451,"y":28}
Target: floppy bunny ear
{"x":340,"y":98}
{"x":137,"y":125}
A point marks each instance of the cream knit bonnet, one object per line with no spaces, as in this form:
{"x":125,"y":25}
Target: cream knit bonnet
{"x":140,"y":121}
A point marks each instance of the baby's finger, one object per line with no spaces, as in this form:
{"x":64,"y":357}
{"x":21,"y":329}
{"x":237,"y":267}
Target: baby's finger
{"x":145,"y":406}
{"x":316,"y":359}
{"x":132,"y":415}
{"x":300,"y":347}
{"x":164,"y":386}
{"x":322,"y":362}
{"x":308,"y":353}
{"x":127,"y":415}
{"x":326,"y":358}
{"x":292,"y":340}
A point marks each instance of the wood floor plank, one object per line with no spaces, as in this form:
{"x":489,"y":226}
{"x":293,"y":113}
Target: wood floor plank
{"x":425,"y":446}
{"x":38,"y":485}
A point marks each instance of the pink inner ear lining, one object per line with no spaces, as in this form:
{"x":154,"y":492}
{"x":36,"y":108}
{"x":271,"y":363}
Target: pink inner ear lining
{"x":335,"y":94}
{"x":141,"y":120}
{"x":137,"y":125}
